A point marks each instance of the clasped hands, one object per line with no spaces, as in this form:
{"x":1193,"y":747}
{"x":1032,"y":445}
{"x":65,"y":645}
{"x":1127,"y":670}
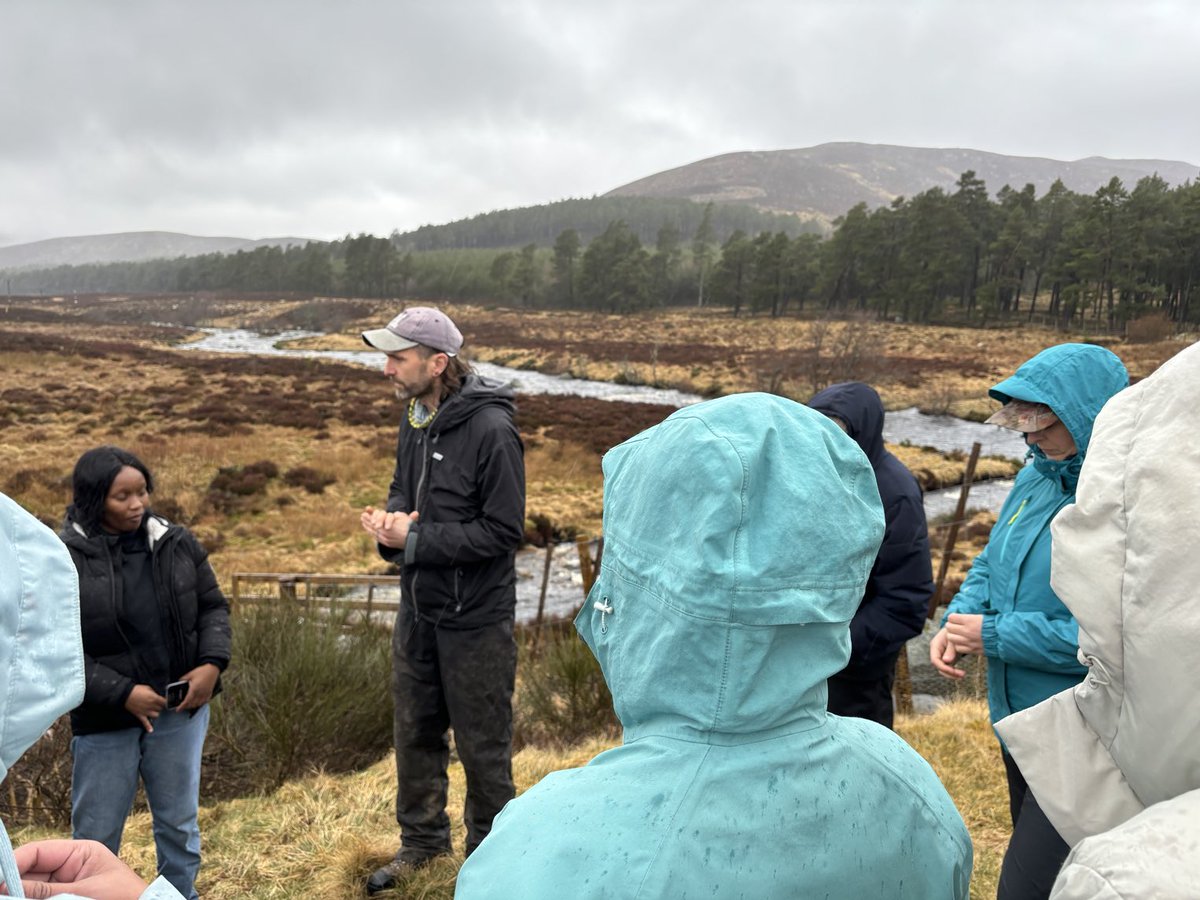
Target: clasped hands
{"x":388,"y":528}
{"x":962,"y":634}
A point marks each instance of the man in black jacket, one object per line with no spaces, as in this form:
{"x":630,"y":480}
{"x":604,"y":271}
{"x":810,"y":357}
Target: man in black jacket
{"x":455,"y":516}
{"x":901,"y":582}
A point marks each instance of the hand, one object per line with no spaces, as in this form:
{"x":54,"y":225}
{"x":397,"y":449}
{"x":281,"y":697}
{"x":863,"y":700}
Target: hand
{"x":202,"y":680}
{"x":388,"y":528}
{"x":86,"y":868}
{"x":942,"y":654}
{"x":965,"y":632}
{"x":145,"y":704}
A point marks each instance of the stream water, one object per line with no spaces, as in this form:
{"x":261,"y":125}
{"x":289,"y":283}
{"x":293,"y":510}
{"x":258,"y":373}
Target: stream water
{"x":563,"y":588}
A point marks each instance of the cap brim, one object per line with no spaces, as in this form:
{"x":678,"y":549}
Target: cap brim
{"x":387,"y":341}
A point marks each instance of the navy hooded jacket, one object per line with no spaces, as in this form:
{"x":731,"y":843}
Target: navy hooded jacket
{"x":897,"y":595}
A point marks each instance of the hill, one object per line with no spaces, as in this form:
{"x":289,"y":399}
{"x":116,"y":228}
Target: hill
{"x":823,"y":182}
{"x":132,"y":246}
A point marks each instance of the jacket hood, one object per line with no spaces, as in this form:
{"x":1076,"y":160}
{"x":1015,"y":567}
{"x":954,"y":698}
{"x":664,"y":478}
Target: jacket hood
{"x":1124,"y":563}
{"x":1074,"y":380}
{"x":859,"y":406}
{"x":41,"y":649}
{"x":739,"y":534}
{"x":75,"y":535}
{"x":476,"y":392}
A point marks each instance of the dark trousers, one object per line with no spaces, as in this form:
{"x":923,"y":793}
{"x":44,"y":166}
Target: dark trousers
{"x":865,"y":697}
{"x":1036,"y":851}
{"x":444,"y":678}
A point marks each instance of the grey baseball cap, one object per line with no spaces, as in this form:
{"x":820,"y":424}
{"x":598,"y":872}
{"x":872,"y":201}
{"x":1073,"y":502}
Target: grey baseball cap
{"x":417,"y":325}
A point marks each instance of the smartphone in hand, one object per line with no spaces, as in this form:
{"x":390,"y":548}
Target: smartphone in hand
{"x":176,"y":692}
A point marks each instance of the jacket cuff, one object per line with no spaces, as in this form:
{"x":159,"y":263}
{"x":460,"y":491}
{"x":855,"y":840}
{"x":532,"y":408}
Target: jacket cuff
{"x":991,"y":640}
{"x":221,"y":664}
{"x":410,"y":545}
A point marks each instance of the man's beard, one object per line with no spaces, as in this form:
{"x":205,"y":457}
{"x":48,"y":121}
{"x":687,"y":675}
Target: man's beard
{"x":405,"y":392}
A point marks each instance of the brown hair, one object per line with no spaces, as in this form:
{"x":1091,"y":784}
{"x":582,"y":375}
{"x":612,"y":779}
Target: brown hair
{"x":457,"y":369}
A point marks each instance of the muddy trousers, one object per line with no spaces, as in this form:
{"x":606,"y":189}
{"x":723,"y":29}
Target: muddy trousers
{"x":445,"y":678}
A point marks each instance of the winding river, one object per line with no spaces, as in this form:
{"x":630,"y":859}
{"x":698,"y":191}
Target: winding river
{"x":944,"y":433}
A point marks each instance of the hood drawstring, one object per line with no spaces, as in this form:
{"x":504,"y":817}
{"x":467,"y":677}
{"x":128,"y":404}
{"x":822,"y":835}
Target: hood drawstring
{"x":604,"y":608}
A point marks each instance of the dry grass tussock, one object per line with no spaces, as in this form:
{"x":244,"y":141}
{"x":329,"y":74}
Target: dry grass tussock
{"x":321,"y":837}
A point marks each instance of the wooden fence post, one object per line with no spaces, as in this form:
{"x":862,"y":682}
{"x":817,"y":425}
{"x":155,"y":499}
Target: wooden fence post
{"x":585,"y":564}
{"x":952,"y":534}
{"x":902,"y":688}
{"x":537,"y":631}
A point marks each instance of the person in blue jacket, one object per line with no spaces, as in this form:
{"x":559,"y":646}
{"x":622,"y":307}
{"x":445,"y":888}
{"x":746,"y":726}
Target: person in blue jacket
{"x":896,"y":598}
{"x":724,"y":603}
{"x":1006,"y":608}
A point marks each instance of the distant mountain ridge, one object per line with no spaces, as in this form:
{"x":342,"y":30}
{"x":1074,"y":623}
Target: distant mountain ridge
{"x":131,"y":246}
{"x":823,"y":182}
{"x":787,"y":190}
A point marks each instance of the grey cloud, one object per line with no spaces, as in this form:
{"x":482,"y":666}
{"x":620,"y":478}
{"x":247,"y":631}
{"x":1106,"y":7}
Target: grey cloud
{"x":310,"y":118}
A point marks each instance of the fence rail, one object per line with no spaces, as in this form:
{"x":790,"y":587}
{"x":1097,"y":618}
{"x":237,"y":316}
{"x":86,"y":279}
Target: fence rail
{"x":299,"y":586}
{"x":328,"y":590}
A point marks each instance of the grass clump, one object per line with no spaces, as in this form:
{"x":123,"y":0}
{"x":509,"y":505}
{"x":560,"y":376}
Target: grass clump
{"x":305,"y":691}
{"x":309,"y":478}
{"x":561,"y":696}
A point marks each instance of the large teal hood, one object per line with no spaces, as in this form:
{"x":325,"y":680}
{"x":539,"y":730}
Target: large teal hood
{"x":732,"y":530}
{"x":738,"y":536}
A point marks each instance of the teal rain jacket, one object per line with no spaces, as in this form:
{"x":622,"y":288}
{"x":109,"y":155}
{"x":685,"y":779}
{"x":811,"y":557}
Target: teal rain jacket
{"x":1029,"y":637}
{"x":739,"y":534}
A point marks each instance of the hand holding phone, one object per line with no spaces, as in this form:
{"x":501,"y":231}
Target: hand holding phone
{"x":177,"y":691}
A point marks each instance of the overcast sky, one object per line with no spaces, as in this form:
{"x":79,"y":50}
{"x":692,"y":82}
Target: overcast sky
{"x":314,"y":119}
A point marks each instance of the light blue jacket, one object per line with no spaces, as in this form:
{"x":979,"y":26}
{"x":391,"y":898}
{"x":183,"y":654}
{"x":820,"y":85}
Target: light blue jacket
{"x":41,"y":651}
{"x":1029,"y":637}
{"x":739,"y":534}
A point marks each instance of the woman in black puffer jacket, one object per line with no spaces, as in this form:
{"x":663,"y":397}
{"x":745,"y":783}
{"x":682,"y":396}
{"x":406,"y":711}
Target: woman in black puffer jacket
{"x":152,"y":615}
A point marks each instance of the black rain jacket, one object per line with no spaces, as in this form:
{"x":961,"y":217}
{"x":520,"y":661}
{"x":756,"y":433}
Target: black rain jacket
{"x":195,"y":618}
{"x":465,"y":475}
{"x":897,"y":596}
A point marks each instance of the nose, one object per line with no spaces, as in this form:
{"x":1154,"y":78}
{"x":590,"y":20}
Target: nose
{"x":388,"y":367}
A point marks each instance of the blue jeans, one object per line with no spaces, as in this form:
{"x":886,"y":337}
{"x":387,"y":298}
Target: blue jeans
{"x":104,"y":781}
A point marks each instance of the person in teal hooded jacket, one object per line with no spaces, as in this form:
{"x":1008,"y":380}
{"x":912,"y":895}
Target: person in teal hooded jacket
{"x":1006,"y":608}
{"x":724,"y":603}
{"x":41,"y":677}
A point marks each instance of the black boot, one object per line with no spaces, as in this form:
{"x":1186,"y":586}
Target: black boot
{"x":396,"y":872}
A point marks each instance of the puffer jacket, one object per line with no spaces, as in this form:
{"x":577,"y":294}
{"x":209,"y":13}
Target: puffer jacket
{"x":1153,"y":856}
{"x":730,"y":578}
{"x":195,"y":617}
{"x":1126,"y":564}
{"x":898,"y":589}
{"x":1029,"y":637}
{"x":465,"y":475}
